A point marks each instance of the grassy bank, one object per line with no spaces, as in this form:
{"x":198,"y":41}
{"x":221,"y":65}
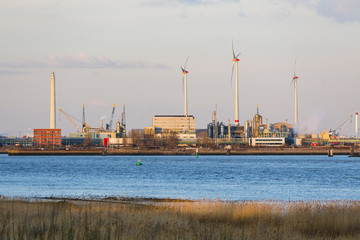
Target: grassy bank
{"x":175,"y":219}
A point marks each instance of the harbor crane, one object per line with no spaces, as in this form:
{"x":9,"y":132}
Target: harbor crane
{"x":339,"y":129}
{"x":72,"y":121}
{"x":83,"y":118}
{"x":108,"y":126}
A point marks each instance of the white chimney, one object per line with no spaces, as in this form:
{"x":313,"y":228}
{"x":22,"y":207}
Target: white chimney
{"x":52,"y":102}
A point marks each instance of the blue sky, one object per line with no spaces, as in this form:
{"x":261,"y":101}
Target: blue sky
{"x":130,"y":52}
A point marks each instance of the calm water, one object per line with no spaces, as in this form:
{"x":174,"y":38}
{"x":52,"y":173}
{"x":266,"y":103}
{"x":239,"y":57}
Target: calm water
{"x":211,"y":177}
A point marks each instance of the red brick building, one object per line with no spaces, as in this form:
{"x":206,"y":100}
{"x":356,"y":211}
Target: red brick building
{"x":47,"y":137}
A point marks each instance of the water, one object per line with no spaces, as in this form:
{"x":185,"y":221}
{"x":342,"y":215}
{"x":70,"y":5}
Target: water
{"x":210,"y":177}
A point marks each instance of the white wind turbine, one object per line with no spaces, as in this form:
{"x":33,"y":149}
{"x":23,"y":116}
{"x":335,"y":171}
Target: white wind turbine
{"x":184,"y":81}
{"x":235,"y":62}
{"x":294,"y":80}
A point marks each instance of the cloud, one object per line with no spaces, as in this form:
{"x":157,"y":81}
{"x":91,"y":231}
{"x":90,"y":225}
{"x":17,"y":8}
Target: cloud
{"x":5,"y":72}
{"x":98,"y":103}
{"x":157,"y":3}
{"x":83,"y":61}
{"x":342,"y":11}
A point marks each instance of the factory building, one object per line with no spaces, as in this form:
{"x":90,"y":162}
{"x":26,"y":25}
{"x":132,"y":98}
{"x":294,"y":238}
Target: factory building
{"x":175,"y":123}
{"x":255,"y":131}
{"x":163,"y":125}
{"x":93,"y":135}
{"x":47,"y":137}
{"x":280,"y":129}
{"x":217,"y":130}
{"x":267,"y":141}
{"x":98,"y":135}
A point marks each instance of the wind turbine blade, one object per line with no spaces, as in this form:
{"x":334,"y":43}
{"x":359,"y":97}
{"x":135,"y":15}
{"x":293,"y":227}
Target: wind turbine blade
{"x":232,"y":72}
{"x":237,"y":55}
{"x":186,"y":62}
{"x":233,"y":49}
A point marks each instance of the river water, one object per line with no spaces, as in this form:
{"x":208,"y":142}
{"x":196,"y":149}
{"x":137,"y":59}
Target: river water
{"x":207,"y":177}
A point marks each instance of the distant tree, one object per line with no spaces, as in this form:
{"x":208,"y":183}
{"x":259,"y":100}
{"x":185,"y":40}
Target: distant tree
{"x":88,"y":140}
{"x":171,"y":140}
{"x":137,"y":138}
{"x":203,"y":140}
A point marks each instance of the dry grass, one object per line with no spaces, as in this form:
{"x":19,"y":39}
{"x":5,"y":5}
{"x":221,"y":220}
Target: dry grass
{"x":175,"y":219}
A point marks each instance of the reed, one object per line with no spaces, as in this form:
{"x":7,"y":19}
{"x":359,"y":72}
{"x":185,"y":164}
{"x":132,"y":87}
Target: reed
{"x":178,"y":219}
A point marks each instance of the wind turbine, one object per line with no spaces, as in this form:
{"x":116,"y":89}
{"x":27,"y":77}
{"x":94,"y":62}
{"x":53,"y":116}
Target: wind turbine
{"x":184,"y":81}
{"x":235,"y":62}
{"x":294,"y":80}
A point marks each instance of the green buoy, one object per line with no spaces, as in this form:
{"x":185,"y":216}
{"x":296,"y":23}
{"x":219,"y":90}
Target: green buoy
{"x":138,"y":162}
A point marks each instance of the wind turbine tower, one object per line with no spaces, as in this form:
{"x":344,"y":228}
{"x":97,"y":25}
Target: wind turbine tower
{"x":294,"y":80}
{"x":184,"y":73}
{"x":235,"y":62}
{"x":356,"y":126}
{"x":52,"y":102}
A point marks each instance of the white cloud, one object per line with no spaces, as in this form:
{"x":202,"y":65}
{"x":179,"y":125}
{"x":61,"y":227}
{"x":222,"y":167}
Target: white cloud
{"x":83,"y":61}
{"x":98,"y":103}
{"x":341,"y":11}
{"x":157,"y":3}
{"x":5,"y":72}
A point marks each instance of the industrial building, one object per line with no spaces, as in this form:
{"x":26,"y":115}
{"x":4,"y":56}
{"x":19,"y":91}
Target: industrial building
{"x":254,"y":132}
{"x":267,"y":141}
{"x":175,"y":123}
{"x":181,"y":125}
{"x":47,"y":137}
{"x":104,"y":135}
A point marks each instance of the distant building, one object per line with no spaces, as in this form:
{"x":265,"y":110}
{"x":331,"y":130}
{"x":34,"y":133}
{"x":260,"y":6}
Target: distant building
{"x":255,"y":131}
{"x":47,"y":137}
{"x":164,"y":126}
{"x":93,"y":135}
{"x":174,"y":123}
{"x":280,"y":129}
{"x":267,"y":141}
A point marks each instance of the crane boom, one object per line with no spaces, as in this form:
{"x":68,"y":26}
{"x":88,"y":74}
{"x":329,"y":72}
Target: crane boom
{"x":70,"y":119}
{"x":339,"y":129}
{"x":108,"y":126}
{"x":83,"y":117}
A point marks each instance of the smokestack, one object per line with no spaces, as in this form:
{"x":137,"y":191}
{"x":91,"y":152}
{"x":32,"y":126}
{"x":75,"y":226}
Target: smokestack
{"x":52,"y":102}
{"x":356,"y":125}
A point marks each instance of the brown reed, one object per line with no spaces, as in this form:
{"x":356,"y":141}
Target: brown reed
{"x":177,"y":219}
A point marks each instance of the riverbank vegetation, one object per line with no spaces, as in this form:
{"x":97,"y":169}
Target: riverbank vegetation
{"x":117,"y":218}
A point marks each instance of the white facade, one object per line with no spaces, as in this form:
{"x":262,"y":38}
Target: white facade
{"x":174,"y":123}
{"x":269,"y":142}
{"x":120,"y":141}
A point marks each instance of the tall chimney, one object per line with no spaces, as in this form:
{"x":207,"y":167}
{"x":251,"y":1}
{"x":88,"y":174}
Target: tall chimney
{"x":52,"y":102}
{"x":356,"y":125}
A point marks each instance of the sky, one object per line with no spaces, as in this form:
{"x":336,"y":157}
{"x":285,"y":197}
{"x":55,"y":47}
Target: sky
{"x":130,"y":52}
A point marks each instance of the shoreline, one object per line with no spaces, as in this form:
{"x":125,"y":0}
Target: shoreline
{"x":154,"y":200}
{"x":178,"y":152}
